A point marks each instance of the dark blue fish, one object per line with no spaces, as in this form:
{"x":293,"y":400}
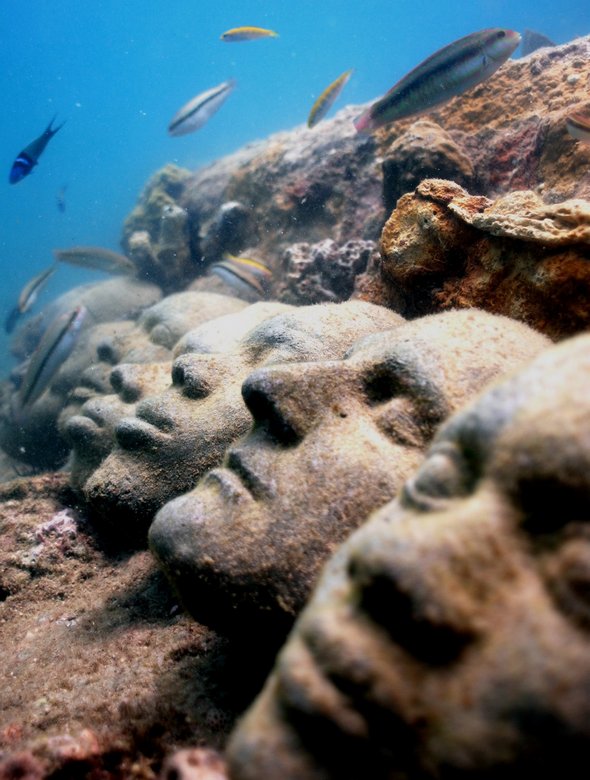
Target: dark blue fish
{"x":29,"y":157}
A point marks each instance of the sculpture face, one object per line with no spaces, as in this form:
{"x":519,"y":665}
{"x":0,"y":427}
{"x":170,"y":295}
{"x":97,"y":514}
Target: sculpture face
{"x":141,"y":354}
{"x":450,"y":636}
{"x":175,"y":437}
{"x":332,"y":441}
{"x":92,"y":430}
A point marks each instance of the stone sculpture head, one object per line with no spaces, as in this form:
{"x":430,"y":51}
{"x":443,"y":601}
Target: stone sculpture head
{"x":177,"y":436}
{"x":332,"y":441}
{"x":87,"y":420}
{"x":450,"y":636}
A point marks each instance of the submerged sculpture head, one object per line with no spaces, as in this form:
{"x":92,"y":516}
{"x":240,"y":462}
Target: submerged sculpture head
{"x":450,"y":636}
{"x":176,"y":436}
{"x":134,"y":360}
{"x":331,"y":442}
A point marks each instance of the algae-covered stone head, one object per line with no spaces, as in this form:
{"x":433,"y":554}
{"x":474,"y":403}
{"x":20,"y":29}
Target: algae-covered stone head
{"x":175,"y":437}
{"x":450,"y":636}
{"x":332,"y":441}
{"x":89,"y":419}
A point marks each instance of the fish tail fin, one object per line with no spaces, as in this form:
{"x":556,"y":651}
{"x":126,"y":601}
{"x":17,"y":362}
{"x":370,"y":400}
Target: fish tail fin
{"x":363,"y":123}
{"x":51,"y":131}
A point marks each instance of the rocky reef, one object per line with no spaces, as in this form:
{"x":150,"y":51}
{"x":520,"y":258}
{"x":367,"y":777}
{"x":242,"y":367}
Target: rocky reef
{"x":380,"y":461}
{"x":442,"y":248}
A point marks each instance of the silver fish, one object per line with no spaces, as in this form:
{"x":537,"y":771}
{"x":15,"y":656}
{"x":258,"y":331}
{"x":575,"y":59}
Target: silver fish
{"x":32,"y":288}
{"x":28,"y":296}
{"x":97,"y":258}
{"x":445,"y":74}
{"x":200,"y":109}
{"x":55,"y":346}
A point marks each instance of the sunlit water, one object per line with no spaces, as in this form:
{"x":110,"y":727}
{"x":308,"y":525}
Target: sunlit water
{"x":117,"y":72}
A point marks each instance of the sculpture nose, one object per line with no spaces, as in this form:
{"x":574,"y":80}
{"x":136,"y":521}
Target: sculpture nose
{"x":289,"y":400}
{"x":126,"y":382}
{"x":108,"y":352}
{"x":198,"y":374}
{"x":131,"y":381}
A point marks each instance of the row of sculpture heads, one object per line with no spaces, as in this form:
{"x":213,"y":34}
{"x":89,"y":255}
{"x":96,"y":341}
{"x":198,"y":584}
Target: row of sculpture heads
{"x":449,"y":634}
{"x":317,"y":414}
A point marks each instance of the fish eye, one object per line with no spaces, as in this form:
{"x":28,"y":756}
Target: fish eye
{"x":502,"y":34}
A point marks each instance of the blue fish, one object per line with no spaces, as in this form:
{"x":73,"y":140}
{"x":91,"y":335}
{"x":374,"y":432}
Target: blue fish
{"x":29,"y":157}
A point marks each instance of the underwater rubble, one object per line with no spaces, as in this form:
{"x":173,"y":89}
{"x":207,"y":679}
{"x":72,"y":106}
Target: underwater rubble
{"x":380,"y":458}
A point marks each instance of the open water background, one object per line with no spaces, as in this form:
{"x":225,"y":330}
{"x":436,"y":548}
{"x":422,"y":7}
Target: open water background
{"x":117,"y":71}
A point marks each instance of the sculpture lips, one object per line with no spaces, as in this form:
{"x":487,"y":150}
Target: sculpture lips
{"x":229,"y":484}
{"x":83,"y":431}
{"x":240,"y":462}
{"x":134,"y":434}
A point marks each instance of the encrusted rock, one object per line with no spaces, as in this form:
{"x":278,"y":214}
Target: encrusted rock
{"x":448,"y":637}
{"x":506,"y":133}
{"x":443,"y":248}
{"x":323,"y":272}
{"x":230,"y":231}
{"x":423,"y":151}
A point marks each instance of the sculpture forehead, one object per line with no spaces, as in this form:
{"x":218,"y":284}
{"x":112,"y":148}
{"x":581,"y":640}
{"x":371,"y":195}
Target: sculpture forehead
{"x":223,"y":334}
{"x":452,"y":354}
{"x":544,"y":408}
{"x":170,"y":318}
{"x":319,"y":332}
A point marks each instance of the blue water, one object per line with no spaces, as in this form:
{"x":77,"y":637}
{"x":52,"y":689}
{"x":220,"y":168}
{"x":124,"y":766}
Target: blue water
{"x":118,"y":70}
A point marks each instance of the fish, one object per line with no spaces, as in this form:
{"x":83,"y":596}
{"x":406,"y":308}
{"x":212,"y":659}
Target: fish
{"x":29,"y":157}
{"x":445,"y":74}
{"x":578,"y":126}
{"x":531,"y":41}
{"x":33,"y":287}
{"x":55,"y":346}
{"x":96,"y":258}
{"x":244,"y":274}
{"x":60,"y":199}
{"x":237,"y":34}
{"x":27,"y":297}
{"x":327,"y":99}
{"x":200,"y":109}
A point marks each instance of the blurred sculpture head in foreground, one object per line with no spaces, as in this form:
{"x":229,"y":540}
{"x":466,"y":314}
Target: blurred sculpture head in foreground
{"x":450,"y":636}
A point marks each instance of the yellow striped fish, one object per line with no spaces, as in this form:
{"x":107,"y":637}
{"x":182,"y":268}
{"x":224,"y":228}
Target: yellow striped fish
{"x":327,"y":99}
{"x":237,"y":34}
{"x":244,"y":274}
